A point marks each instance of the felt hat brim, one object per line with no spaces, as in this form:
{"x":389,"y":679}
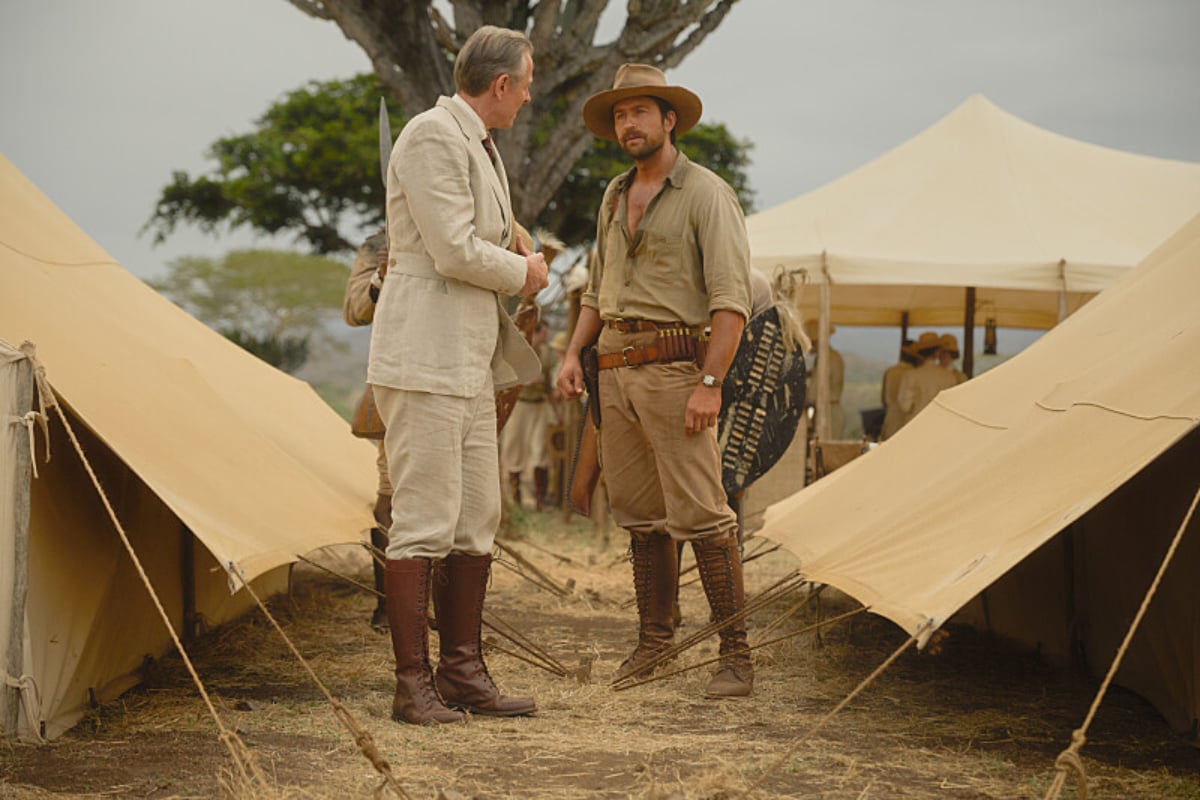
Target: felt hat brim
{"x":639,"y":80}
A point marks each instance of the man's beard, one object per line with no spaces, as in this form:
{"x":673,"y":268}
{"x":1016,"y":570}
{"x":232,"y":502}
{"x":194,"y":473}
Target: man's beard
{"x":645,"y":154}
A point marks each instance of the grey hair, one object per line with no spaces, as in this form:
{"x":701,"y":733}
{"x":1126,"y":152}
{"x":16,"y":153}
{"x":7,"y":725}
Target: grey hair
{"x":487,"y":54}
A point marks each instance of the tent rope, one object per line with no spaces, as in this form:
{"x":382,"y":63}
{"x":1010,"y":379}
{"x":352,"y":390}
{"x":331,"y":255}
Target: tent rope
{"x":244,"y":761}
{"x":821,"y":722}
{"x":1069,"y":759}
{"x":362,"y":737}
{"x":31,"y":701}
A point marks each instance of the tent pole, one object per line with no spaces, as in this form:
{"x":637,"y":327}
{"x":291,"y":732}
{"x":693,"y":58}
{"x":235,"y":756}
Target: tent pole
{"x":968,"y":348}
{"x":1062,"y":289}
{"x":187,"y":581}
{"x":14,"y":657}
{"x":903,"y":327}
{"x":823,"y":428}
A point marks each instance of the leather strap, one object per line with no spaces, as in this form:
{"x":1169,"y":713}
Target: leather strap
{"x":635,"y":357}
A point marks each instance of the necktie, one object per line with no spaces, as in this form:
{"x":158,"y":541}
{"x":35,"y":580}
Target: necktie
{"x":490,"y":148}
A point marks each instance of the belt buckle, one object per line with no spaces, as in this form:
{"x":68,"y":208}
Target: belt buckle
{"x":625,"y":351}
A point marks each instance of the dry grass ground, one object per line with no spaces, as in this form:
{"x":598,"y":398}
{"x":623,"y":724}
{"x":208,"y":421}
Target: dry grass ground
{"x":969,"y":722}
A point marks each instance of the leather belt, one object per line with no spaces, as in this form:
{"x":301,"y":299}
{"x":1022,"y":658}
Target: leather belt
{"x":635,"y":357}
{"x":640,"y":325}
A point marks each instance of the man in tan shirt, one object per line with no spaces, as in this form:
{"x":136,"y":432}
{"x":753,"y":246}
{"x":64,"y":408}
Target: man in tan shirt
{"x":358,"y":309}
{"x":919,"y":386}
{"x":893,"y":416}
{"x":672,"y":261}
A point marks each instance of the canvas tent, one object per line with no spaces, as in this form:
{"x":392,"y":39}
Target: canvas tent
{"x":211,"y":458}
{"x":1093,"y":429}
{"x":980,"y":199}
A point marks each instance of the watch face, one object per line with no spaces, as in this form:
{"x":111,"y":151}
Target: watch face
{"x":709,"y":380}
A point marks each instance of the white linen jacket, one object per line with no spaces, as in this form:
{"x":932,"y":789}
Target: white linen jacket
{"x":439,"y":326}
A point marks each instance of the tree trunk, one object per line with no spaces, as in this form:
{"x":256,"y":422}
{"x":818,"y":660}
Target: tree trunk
{"x":411,"y":46}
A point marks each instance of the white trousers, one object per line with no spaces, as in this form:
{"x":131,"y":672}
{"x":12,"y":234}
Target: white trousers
{"x":444,"y":468}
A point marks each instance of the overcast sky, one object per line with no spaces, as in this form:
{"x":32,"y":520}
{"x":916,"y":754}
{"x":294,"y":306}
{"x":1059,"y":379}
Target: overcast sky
{"x":103,"y":100}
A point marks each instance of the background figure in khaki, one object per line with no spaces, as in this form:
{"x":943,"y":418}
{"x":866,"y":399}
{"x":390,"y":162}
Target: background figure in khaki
{"x":894,"y":417}
{"x":441,"y":346}
{"x":523,"y":442}
{"x":358,"y":309}
{"x":948,"y":354}
{"x":919,"y":386}
{"x":672,"y":259}
{"x":837,"y":379}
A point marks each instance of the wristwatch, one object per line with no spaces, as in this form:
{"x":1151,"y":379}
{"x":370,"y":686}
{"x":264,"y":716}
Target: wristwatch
{"x":710,"y":381}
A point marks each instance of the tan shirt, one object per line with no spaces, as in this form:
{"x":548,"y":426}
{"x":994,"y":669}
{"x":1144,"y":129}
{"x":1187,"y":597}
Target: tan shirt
{"x":689,"y":258}
{"x":919,"y":386}
{"x":358,"y":308}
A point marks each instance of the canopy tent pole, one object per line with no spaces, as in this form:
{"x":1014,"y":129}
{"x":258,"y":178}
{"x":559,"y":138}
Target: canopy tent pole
{"x":1062,"y":289}
{"x":968,"y":347}
{"x":823,"y":429}
{"x":14,"y":656}
{"x":903,"y":327}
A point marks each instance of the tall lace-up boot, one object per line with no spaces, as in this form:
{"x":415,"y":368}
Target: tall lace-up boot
{"x":460,"y":584}
{"x":655,"y":576}
{"x":379,"y":541}
{"x":720,"y":566}
{"x":416,"y":700}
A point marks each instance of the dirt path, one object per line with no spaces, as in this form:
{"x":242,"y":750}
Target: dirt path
{"x":969,"y":722}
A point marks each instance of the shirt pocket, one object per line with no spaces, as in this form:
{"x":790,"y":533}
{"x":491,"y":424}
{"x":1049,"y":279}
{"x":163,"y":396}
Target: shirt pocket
{"x":661,"y":253}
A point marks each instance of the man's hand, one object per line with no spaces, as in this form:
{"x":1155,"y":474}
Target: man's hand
{"x":381,"y":260}
{"x":537,"y":272}
{"x":570,"y":376}
{"x":703,"y":408}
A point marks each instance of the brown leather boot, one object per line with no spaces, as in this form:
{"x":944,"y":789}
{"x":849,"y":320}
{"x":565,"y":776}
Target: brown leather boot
{"x":541,"y":486}
{"x":655,"y":576}
{"x":514,"y":481}
{"x":462,"y":676}
{"x":379,"y":541}
{"x":720,"y":565}
{"x":416,"y":700}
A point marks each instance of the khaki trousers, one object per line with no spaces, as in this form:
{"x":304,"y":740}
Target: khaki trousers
{"x":659,"y":478}
{"x":523,"y":440}
{"x":444,"y":469}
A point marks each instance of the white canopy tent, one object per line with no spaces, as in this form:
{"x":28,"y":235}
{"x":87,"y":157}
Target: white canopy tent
{"x":1095,"y":426}
{"x":189,"y":435}
{"x":981,"y":218}
{"x":980,"y":199}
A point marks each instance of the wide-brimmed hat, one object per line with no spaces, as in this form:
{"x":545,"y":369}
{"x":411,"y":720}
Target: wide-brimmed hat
{"x":928,"y":343}
{"x":640,"y":80}
{"x":947,"y":342}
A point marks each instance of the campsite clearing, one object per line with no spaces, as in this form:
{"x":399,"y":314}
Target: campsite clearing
{"x":971,"y":721}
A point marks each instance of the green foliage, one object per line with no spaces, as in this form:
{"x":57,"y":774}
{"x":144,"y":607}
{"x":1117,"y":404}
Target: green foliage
{"x":272,"y":303}
{"x":310,"y":165}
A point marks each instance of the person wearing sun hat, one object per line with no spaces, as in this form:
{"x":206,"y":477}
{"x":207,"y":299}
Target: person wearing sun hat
{"x":893,"y":416}
{"x":673,"y":261}
{"x":947,"y":353}
{"x":919,"y":386}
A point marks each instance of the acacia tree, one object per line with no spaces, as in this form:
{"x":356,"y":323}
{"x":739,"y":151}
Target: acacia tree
{"x":311,"y":167}
{"x":412,"y":44}
{"x":272,"y":303}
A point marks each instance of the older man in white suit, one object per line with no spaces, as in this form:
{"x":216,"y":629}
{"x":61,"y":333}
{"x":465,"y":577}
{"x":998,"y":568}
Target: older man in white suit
{"x":441,"y":346}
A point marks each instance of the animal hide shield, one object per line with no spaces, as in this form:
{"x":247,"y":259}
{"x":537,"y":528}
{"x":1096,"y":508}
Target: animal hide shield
{"x":762,"y":401}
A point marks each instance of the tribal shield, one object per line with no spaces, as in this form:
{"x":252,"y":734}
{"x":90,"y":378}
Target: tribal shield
{"x":762,"y":401}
